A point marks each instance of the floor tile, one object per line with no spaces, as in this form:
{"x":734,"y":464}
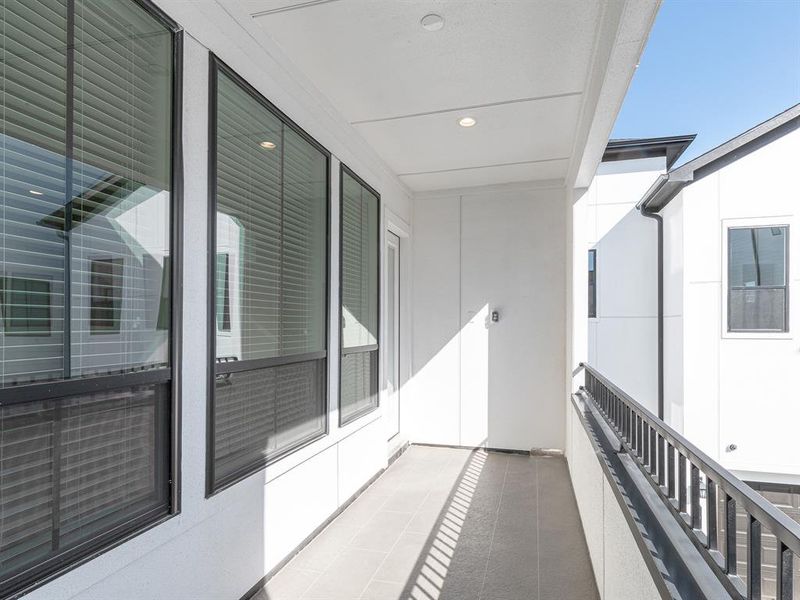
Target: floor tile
{"x":347,"y":577}
{"x":382,"y":531}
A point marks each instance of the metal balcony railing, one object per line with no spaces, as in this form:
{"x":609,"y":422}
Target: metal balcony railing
{"x":700,"y":495}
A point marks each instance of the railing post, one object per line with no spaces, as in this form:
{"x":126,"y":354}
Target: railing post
{"x":661,"y":452}
{"x":730,"y":535}
{"x":671,"y":471}
{"x":681,"y":483}
{"x":753,"y":558}
{"x":784,"y":577}
{"x":697,"y":522}
{"x":711,"y":514}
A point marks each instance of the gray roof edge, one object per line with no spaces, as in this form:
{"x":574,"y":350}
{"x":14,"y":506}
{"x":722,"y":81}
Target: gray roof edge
{"x":658,"y":196}
{"x":671,"y":147}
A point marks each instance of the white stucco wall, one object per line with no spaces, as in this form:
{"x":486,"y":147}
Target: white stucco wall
{"x":476,"y":382}
{"x":619,"y":568}
{"x":739,"y":387}
{"x":623,"y":338}
{"x":253,"y":524}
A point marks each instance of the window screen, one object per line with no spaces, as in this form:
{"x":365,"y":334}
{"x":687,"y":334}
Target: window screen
{"x":359,"y":272}
{"x":592,"y":283}
{"x":270,"y":283}
{"x":85,"y":188}
{"x":757,"y":279}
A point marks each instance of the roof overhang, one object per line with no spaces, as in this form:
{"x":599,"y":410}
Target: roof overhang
{"x":667,"y":186}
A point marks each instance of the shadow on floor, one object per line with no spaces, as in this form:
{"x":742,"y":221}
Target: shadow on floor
{"x":450,"y":524}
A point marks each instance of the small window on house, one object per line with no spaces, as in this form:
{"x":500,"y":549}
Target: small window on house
{"x":592,"y":283}
{"x":757,"y":278}
{"x":106,"y":299}
{"x":223,"y":292}
{"x":26,"y":306}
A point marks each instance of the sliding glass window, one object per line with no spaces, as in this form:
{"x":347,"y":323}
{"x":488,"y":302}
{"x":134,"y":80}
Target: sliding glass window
{"x":360,"y":221}
{"x":87,"y":129}
{"x":268,"y":283}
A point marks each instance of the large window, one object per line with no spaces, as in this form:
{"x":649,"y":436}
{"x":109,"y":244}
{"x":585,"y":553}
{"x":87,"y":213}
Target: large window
{"x":360,"y":224}
{"x":86,"y":146}
{"x":268,"y":283}
{"x":757,"y":279}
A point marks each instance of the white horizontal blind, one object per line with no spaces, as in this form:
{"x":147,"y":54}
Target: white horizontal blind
{"x":360,"y":209}
{"x":121,"y":208}
{"x":271,"y":229}
{"x":33,"y":182}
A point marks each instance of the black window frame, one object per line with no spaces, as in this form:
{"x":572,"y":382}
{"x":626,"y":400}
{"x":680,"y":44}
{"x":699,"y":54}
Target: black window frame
{"x":168,"y":422}
{"x":225,"y":369}
{"x":592,"y":283}
{"x":375,"y":384}
{"x":785,"y":287}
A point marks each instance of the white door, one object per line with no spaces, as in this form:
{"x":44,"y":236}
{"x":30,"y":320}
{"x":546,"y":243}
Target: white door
{"x":392,"y":334}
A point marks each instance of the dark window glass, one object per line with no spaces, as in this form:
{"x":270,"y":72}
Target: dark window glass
{"x":223,"y":293}
{"x":359,"y":260}
{"x":592,"y":283}
{"x":757,"y":277}
{"x":26,"y":306}
{"x":85,"y":196}
{"x":270,"y":284}
{"x":106,"y":300}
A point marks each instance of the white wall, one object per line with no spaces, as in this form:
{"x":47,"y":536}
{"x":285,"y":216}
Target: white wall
{"x":221,"y":546}
{"x":623,"y":338}
{"x":740,"y":388}
{"x":619,"y":568}
{"x":475,"y":382}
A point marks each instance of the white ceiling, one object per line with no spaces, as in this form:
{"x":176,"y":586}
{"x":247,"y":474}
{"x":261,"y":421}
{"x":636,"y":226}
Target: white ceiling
{"x":520,"y":67}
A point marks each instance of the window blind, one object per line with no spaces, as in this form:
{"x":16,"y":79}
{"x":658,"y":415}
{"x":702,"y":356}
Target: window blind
{"x":85,"y":193}
{"x":359,"y":265}
{"x":270,"y":291}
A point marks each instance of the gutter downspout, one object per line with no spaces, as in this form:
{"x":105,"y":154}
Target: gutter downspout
{"x":660,"y":224}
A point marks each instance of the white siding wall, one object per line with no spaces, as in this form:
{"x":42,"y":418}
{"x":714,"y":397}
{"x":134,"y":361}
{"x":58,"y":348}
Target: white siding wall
{"x":743,"y":383}
{"x":477,"y":382}
{"x":221,"y":546}
{"x":622,"y":340}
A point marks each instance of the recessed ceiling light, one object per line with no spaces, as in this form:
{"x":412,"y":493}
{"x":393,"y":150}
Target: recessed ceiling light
{"x":36,"y":193}
{"x":267,"y":145}
{"x":467,"y":121}
{"x":432,"y":22}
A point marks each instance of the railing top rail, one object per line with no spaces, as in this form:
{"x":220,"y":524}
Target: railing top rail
{"x":778,"y":522}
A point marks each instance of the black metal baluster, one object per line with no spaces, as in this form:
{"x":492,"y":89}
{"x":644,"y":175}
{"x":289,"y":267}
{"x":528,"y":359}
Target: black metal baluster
{"x":661,"y":452}
{"x":753,"y":558}
{"x":695,"y":497}
{"x":681,"y":483}
{"x":730,"y":535}
{"x":784,"y":577}
{"x":653,"y":451}
{"x":711,"y":514}
{"x":670,"y":471}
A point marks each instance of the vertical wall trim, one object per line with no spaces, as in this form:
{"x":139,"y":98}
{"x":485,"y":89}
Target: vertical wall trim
{"x":460,"y":312}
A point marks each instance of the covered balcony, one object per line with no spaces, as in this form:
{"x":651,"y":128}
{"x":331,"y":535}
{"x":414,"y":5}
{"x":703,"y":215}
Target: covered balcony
{"x":293,"y":302}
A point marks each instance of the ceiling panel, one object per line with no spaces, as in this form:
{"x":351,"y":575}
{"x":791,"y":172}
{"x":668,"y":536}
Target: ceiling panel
{"x":551,"y":170}
{"x":374,"y":60}
{"x":507,"y":133}
{"x":518,"y":66}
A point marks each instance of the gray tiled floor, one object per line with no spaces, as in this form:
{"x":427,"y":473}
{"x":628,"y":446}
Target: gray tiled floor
{"x":448,"y":524}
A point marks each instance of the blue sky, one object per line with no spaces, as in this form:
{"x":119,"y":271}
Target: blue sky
{"x":714,"y":68}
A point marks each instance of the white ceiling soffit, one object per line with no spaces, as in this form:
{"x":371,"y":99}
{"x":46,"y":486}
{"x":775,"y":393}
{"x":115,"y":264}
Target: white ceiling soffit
{"x":521,"y":68}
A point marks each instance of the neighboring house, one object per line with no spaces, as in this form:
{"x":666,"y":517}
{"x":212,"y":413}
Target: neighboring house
{"x":731,"y":268}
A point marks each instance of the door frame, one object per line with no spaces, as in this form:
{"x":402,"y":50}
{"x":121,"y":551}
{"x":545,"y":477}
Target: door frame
{"x":393,"y":223}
